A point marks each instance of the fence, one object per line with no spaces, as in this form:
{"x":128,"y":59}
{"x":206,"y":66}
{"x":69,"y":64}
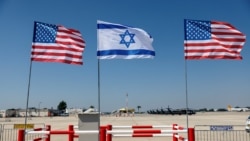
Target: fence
{"x":9,"y":132}
{"x":198,"y":133}
{"x":221,"y":133}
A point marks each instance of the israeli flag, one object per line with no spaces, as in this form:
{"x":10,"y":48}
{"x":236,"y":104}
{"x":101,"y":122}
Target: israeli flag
{"x":116,"y":41}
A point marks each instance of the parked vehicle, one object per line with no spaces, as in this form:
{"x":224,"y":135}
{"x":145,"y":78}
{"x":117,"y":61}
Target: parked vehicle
{"x":183,"y":112}
{"x":170,"y":111}
{"x":64,"y":114}
{"x":248,"y":124}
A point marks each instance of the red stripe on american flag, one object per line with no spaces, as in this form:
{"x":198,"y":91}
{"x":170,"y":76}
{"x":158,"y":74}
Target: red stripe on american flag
{"x":213,"y":57}
{"x":211,"y":50}
{"x":57,"y":60}
{"x":211,"y":44}
{"x":229,"y":39}
{"x":36,"y":54}
{"x":56,"y":48}
{"x":70,"y":43}
{"x":227,"y":33}
{"x":223,"y":23}
{"x":71,"y":38}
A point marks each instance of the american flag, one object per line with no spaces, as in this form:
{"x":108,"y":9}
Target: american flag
{"x":212,"y":40}
{"x":53,"y":43}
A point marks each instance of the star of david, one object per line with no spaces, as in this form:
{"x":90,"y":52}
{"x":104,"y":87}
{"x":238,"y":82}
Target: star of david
{"x":127,"y":38}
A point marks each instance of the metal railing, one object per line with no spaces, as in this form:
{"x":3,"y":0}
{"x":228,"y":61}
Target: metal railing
{"x":221,"y":133}
{"x":8,"y":132}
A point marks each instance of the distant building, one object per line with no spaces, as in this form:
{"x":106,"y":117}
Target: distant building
{"x":237,"y":109}
{"x":2,"y":113}
{"x":74,"y":110}
{"x":34,"y":112}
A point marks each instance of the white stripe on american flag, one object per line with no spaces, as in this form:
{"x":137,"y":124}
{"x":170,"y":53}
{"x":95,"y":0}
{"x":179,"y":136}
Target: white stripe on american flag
{"x":57,"y":51}
{"x":213,"y":54}
{"x":208,"y":47}
{"x":48,"y":45}
{"x":226,"y":36}
{"x":212,"y":41}
{"x":47,"y":57}
{"x":75,"y":35}
{"x":63,"y":35}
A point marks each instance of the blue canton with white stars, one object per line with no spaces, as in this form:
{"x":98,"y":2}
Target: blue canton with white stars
{"x":45,"y":33}
{"x":198,"y":30}
{"x":126,"y":42}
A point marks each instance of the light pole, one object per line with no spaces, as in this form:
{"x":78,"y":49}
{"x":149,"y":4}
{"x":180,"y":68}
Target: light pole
{"x":39,"y":108}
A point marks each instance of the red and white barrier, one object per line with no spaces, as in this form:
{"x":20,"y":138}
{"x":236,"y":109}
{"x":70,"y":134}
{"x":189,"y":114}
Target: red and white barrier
{"x":142,"y":135}
{"x":152,"y":131}
{"x":70,"y":132}
{"x":106,"y":133}
{"x":145,"y":131}
{"x":141,"y":126}
{"x":179,"y":137}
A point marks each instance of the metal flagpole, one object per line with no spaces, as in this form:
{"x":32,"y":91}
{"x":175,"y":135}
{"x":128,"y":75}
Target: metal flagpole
{"x":186,"y":91}
{"x":99,"y":97}
{"x":28,"y":93}
{"x":186,"y":77}
{"x":27,"y":101}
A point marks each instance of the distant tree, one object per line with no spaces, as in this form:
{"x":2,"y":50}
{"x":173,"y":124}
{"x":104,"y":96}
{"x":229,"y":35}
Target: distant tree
{"x":222,"y":110}
{"x":203,"y":110}
{"x":92,"y":106}
{"x":62,"y":106}
{"x":138,"y":107}
{"x":211,"y":110}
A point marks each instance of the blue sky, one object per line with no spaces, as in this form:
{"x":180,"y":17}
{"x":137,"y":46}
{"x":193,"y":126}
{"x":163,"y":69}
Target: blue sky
{"x":150,"y":83}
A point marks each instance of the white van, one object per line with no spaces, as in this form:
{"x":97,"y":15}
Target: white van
{"x":248,"y":124}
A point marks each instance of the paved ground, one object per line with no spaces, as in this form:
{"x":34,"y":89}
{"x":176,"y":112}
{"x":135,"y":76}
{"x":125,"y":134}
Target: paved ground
{"x":206,"y":118}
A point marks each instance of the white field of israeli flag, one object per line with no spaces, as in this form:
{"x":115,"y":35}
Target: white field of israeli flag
{"x":116,"y":41}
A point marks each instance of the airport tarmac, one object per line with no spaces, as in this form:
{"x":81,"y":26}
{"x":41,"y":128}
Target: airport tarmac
{"x":200,"y":118}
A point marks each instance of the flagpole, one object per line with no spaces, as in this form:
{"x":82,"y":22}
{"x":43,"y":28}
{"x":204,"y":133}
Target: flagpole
{"x":186,"y":91}
{"x":186,"y":85}
{"x":27,"y":101}
{"x":99,"y":86}
{"x":99,"y":97}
